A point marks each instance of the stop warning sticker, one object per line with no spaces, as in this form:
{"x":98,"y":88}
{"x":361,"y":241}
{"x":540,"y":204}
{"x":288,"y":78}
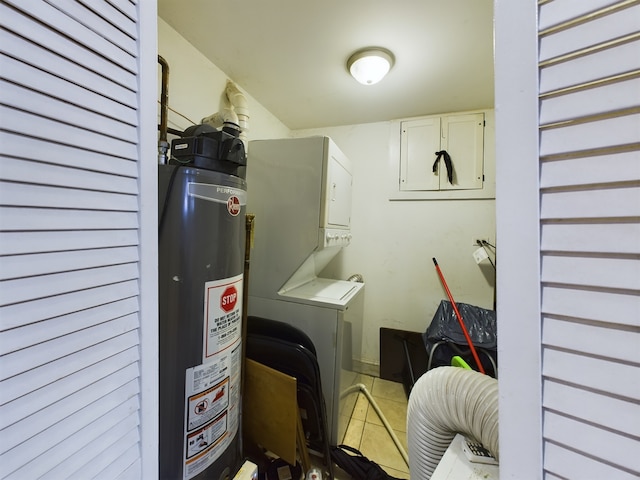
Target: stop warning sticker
{"x":222,"y":315}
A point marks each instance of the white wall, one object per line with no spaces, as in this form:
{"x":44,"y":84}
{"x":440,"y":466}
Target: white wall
{"x":195,"y":86}
{"x":394,"y":241}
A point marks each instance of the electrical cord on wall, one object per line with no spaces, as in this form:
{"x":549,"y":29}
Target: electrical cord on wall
{"x":484,"y":243}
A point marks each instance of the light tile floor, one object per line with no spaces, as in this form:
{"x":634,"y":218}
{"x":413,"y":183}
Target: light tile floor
{"x":367,"y":433}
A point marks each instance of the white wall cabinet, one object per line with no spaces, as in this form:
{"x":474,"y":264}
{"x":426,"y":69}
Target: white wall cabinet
{"x":462,"y":136}
{"x":467,"y":138}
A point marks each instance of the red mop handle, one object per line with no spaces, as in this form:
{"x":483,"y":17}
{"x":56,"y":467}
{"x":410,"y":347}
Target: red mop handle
{"x":460,"y":321}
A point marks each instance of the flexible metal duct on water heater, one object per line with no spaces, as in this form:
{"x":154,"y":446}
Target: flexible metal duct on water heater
{"x":202,"y":198}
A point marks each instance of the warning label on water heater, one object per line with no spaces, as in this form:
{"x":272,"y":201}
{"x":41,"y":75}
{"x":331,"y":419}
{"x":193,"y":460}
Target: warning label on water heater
{"x":212,"y":389}
{"x":211,"y":410}
{"x":222,"y":315}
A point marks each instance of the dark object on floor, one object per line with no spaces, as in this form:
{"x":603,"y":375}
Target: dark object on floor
{"x":357,"y":465}
{"x":403,"y":358}
{"x":278,"y":469}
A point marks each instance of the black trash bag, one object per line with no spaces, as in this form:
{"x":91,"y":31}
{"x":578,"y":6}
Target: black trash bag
{"x":357,"y":465}
{"x":480,"y":323}
{"x":444,"y":337}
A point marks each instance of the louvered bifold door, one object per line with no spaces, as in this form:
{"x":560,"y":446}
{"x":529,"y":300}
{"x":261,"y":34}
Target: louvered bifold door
{"x":590,"y":237}
{"x":69,"y":305}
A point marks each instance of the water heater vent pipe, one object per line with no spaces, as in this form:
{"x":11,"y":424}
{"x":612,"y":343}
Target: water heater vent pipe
{"x":233,"y":109}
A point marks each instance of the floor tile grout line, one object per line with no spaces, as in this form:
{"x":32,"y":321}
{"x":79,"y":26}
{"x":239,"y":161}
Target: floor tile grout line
{"x":365,"y":422}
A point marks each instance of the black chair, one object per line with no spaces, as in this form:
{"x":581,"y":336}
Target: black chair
{"x":289,"y":350}
{"x":284,"y":331}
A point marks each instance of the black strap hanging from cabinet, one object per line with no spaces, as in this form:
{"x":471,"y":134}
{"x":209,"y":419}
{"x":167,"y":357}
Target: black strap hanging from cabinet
{"x":447,"y":162}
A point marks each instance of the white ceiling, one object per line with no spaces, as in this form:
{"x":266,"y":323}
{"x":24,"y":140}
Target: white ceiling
{"x":291,"y":55}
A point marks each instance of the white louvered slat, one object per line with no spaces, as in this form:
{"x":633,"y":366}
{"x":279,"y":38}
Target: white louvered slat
{"x":124,"y":459}
{"x":553,"y":13}
{"x":38,"y":355}
{"x":31,"y":334}
{"x":599,"y":306}
{"x":58,"y":21}
{"x":593,"y":203}
{"x":99,"y":25}
{"x":49,"y":84}
{"x":112,"y":15}
{"x":71,"y":156}
{"x":595,"y":340}
{"x":124,"y":382}
{"x":24,"y":289}
{"x":47,"y":174}
{"x":611,"y":273}
{"x":44,"y":219}
{"x":19,"y":314}
{"x":14,"y":243}
{"x":598,"y":169}
{"x":571,"y":464}
{"x":591,"y":67}
{"x":48,"y":129}
{"x":46,"y":452}
{"x":25,"y":51}
{"x":584,"y":136}
{"x":582,"y":103}
{"x":64,"y":47}
{"x":126,"y":7}
{"x":24,"y":406}
{"x":48,"y":263}
{"x":133,"y":471}
{"x":31,"y":101}
{"x":623,"y":22}
{"x":13,"y":194}
{"x":592,"y":407}
{"x":89,"y":461}
{"x":590,"y":237}
{"x":33,"y":380}
{"x":594,"y":373}
{"x":597,"y":443}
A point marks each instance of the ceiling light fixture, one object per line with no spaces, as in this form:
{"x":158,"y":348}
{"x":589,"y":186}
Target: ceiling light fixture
{"x":370,"y":65}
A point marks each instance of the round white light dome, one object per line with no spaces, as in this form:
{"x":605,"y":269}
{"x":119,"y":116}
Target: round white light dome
{"x":369,"y":66}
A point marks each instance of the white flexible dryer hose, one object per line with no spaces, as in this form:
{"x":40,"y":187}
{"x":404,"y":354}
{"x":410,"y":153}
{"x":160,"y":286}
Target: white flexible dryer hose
{"x":446,"y":401}
{"x":361,"y":387}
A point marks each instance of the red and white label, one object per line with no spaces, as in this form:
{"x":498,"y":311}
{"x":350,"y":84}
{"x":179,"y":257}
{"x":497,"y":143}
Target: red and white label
{"x":228,"y":299}
{"x":222,"y":315}
{"x":233,"y":205}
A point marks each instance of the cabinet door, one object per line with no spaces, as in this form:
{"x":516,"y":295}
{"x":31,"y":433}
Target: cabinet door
{"x":420,"y":139}
{"x":338,"y":195}
{"x":463,"y":139}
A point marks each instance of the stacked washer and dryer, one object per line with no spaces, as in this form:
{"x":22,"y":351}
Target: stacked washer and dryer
{"x":300,"y":192}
